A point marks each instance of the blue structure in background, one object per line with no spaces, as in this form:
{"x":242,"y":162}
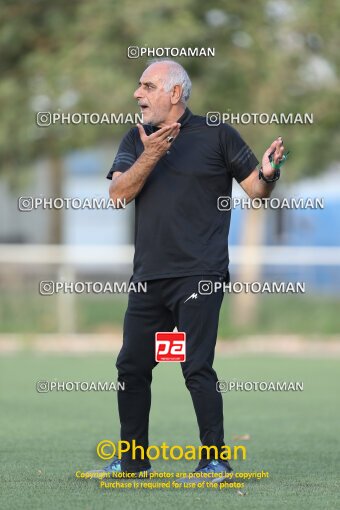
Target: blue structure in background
{"x":302,"y":227}
{"x":85,"y":177}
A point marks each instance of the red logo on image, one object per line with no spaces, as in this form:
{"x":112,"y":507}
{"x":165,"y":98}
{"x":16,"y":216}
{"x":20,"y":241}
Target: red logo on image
{"x":170,"y":346}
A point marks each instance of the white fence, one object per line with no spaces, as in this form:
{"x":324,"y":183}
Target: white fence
{"x":123,"y":255}
{"x":66,"y":261}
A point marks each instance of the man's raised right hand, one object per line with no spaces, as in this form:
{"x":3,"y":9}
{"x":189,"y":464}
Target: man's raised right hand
{"x":156,"y":145}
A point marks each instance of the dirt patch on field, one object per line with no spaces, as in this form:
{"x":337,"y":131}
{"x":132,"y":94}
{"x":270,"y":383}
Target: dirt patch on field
{"x":288,"y":345}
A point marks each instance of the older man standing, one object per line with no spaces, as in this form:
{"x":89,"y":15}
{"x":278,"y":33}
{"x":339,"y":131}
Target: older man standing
{"x":175,"y":167}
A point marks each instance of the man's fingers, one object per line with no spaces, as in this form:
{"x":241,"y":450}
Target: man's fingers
{"x":276,"y":150}
{"x":279,"y":151}
{"x":168,"y":131}
{"x":276,"y":143}
{"x":142,"y":133}
{"x":161,"y":133}
{"x":173,"y":133}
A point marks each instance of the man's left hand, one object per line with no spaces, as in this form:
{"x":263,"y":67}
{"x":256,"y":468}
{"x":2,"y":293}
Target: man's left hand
{"x":277,"y":150}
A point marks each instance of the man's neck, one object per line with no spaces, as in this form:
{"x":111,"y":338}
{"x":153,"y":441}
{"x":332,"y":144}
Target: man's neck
{"x":173,"y":116}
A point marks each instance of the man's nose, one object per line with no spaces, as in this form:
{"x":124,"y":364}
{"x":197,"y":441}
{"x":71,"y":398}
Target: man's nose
{"x":138,"y":93}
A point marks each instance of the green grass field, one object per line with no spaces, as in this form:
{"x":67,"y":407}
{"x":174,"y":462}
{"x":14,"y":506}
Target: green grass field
{"x":24,"y":312}
{"x":45,"y":438}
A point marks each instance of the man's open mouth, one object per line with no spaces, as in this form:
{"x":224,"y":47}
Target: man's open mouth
{"x":143,"y":107}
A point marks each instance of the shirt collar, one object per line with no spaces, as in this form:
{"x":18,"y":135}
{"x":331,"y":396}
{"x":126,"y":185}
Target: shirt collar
{"x":186,"y":116}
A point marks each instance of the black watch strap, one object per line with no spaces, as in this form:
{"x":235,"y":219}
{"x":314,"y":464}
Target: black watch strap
{"x":275,"y":177}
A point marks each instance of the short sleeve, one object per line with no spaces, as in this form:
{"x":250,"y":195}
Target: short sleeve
{"x":126,"y":155}
{"x":238,"y":156}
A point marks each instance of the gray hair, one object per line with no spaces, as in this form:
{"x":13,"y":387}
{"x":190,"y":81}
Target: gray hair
{"x":176,"y":75}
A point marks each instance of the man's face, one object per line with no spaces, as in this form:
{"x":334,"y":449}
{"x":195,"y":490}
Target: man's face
{"x":155,"y":103}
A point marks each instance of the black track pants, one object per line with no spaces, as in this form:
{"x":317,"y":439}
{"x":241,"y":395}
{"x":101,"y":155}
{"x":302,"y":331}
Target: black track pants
{"x":164,"y":306}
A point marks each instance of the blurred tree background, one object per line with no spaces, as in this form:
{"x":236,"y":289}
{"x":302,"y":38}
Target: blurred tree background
{"x":271,"y":56}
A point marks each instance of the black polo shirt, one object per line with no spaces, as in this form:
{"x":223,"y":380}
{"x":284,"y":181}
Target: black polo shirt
{"x":179,"y":230}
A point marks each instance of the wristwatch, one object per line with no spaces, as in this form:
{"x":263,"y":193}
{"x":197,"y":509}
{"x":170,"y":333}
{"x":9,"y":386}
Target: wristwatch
{"x":276,"y":176}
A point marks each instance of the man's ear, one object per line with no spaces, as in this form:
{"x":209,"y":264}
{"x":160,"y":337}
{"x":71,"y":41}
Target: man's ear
{"x":176,"y":94}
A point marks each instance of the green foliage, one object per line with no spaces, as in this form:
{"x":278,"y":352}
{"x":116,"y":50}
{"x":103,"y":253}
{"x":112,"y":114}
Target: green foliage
{"x":27,"y":313}
{"x":266,"y":60}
